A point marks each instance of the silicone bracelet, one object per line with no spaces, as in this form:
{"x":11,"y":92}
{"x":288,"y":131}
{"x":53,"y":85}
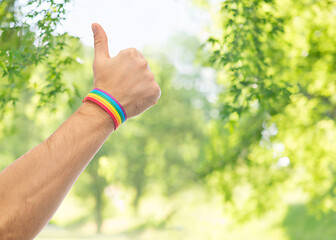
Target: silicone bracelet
{"x":106,"y":109}
{"x":122,"y":109}
{"x":106,"y":103}
{"x":115,"y":105}
{"x":109,"y":104}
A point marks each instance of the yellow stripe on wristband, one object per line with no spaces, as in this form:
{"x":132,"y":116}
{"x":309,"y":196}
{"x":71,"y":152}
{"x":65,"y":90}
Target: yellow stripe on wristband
{"x":108,"y":105}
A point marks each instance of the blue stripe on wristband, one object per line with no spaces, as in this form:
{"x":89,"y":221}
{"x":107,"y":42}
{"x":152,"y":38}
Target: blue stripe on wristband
{"x":110,"y":100}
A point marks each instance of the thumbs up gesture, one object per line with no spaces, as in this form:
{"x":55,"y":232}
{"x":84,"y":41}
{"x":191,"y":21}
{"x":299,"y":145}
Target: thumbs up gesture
{"x":127,"y":76}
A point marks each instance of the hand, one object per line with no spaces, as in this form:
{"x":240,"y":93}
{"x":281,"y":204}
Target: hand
{"x":127,"y":76}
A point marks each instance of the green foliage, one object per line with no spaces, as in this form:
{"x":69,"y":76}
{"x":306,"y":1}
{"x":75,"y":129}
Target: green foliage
{"x":301,"y":224}
{"x":276,"y":67}
{"x":276,"y":134}
{"x":28,"y":38}
{"x":245,"y":51}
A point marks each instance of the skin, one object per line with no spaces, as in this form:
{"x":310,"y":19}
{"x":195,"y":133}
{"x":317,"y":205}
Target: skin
{"x":33,"y":186}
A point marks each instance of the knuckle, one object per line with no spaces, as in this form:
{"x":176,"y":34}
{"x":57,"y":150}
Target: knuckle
{"x":95,"y":64}
{"x":131,"y":51}
{"x":143,"y":63}
{"x":100,"y":40}
{"x":156,"y":91}
{"x":155,"y":100}
{"x":97,"y":42}
{"x":124,"y":52}
{"x":127,"y":51}
{"x":150,"y":76}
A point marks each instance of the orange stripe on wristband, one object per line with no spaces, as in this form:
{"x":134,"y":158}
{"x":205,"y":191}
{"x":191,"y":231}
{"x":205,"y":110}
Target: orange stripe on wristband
{"x":107,"y":104}
{"x":105,"y":108}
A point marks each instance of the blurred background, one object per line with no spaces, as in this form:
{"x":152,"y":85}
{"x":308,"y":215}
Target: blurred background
{"x":241,"y":144}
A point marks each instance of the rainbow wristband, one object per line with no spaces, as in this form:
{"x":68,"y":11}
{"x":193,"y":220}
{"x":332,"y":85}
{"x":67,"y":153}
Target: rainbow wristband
{"x":109,"y":103}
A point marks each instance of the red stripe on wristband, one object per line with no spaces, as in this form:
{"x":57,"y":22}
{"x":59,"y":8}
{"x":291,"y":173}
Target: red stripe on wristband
{"x":106,"y":109}
{"x":114,"y":100}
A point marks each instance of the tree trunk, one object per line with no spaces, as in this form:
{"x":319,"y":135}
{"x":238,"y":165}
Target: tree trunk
{"x":98,"y":212}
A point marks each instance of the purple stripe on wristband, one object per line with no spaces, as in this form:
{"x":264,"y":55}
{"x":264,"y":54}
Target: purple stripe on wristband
{"x":98,"y":89}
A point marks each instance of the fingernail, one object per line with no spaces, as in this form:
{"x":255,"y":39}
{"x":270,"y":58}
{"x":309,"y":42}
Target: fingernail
{"x":94,"y":28}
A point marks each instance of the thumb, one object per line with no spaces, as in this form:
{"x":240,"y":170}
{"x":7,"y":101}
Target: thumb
{"x":100,"y":42}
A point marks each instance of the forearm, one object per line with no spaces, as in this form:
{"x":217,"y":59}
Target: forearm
{"x":32,"y":187}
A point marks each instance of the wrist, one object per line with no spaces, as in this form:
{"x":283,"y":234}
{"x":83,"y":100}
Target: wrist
{"x":108,"y":103}
{"x":95,"y":114}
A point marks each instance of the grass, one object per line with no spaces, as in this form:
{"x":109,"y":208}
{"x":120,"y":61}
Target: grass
{"x":194,"y":215}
